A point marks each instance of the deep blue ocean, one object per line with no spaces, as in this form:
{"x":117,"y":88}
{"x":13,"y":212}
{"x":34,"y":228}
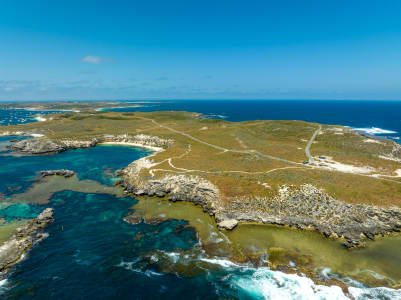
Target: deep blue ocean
{"x":91,"y":253}
{"x":373,"y":117}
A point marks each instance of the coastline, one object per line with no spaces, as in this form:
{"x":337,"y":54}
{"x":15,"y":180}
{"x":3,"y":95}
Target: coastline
{"x":135,"y":145}
{"x":153,"y":148}
{"x":178,"y":188}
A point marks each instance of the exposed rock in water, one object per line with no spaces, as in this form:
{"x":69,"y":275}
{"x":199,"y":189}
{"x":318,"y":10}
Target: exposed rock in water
{"x":24,"y":238}
{"x":62,"y":172}
{"x":227,"y":224}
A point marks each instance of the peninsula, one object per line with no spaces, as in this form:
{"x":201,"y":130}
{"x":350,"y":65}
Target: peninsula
{"x":290,"y":173}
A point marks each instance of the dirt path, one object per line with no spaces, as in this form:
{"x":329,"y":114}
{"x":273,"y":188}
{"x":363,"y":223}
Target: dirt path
{"x":250,"y":151}
{"x":307,"y":149}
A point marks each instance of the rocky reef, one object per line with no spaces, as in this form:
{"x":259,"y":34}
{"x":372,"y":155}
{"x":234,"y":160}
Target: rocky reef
{"x":24,"y":238}
{"x":304,"y":207}
{"x":62,"y":172}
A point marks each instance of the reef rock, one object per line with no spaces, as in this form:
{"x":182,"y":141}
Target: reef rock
{"x":24,"y":238}
{"x":62,"y":172}
{"x":227,"y":224}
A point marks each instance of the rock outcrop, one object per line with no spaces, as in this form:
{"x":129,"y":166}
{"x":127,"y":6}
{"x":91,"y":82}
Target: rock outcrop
{"x":24,"y":238}
{"x":36,"y":146}
{"x":43,"y":145}
{"x":228,"y":224}
{"x":304,"y":207}
{"x":140,"y":139}
{"x":177,"y":188}
{"x":307,"y":207}
{"x":62,"y":172}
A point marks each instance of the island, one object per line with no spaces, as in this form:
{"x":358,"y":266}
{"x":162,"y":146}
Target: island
{"x":294,"y":174}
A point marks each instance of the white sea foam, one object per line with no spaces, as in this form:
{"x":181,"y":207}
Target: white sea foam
{"x":375,"y":130}
{"x":268,"y":284}
{"x":3,"y":283}
{"x":214,"y":116}
{"x":3,"y":286}
{"x":375,"y":293}
{"x":130,"y":266}
{"x":263,"y":283}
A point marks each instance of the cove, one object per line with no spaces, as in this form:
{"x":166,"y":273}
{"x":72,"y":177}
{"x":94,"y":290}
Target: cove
{"x":92,"y":253}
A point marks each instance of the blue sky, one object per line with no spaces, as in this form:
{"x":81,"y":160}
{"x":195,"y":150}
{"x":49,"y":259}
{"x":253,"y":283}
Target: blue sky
{"x":52,"y":50}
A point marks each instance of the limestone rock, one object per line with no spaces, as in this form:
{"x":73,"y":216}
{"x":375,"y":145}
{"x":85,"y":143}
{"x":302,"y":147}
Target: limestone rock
{"x":61,"y":172}
{"x":24,"y":238}
{"x":228,"y":224}
{"x":36,"y":146}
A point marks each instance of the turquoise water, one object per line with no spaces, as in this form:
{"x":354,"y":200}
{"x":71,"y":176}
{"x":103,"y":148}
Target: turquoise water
{"x":98,"y":163}
{"x":91,"y":253}
{"x":89,"y":240}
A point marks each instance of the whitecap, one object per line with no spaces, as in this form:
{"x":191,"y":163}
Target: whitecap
{"x":263,"y":283}
{"x":3,"y":283}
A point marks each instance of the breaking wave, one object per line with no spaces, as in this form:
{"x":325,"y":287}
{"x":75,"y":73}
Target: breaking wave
{"x":263,"y":283}
{"x":375,"y":130}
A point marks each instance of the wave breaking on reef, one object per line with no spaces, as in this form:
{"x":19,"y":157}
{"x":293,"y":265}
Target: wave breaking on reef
{"x":243,"y":281}
{"x":263,"y":283}
{"x":375,"y":130}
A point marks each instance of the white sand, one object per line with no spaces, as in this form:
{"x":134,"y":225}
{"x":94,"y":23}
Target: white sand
{"x":335,"y":165}
{"x":157,"y":149}
{"x":373,"y":141}
{"x":40,"y":118}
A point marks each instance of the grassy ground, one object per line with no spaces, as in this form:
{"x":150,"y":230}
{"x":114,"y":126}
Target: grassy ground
{"x":244,"y":158}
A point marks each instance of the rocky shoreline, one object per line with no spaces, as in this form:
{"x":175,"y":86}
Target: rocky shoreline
{"x":43,"y":145}
{"x":304,"y":207}
{"x":24,"y":238}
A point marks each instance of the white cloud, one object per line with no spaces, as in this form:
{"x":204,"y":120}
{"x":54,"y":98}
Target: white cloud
{"x":92,"y":59}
